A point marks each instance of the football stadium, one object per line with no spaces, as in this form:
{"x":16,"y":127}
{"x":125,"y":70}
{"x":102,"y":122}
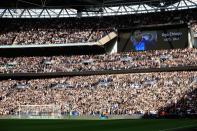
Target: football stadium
{"x":98,"y":65}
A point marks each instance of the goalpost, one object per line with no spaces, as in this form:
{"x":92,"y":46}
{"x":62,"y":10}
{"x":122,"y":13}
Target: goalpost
{"x":39,"y":111}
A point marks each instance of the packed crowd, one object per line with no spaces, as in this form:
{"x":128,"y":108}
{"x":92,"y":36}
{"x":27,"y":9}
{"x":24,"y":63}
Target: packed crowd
{"x":115,"y":94}
{"x":89,"y":95}
{"x":51,"y":36}
{"x":83,"y":30}
{"x":54,"y":33}
{"x":123,"y":61}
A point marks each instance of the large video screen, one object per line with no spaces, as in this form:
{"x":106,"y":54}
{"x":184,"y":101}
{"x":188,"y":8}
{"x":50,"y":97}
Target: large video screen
{"x":152,"y":39}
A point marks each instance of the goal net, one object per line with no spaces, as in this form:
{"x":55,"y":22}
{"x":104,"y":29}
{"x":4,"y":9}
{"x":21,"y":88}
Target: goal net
{"x":39,"y":111}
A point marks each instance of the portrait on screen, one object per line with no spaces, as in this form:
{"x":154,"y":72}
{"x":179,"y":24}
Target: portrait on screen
{"x":141,"y":41}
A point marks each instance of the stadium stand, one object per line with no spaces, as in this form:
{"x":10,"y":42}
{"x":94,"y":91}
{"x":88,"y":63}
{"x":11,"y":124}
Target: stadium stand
{"x":158,"y":93}
{"x":56,"y":32}
{"x":84,"y":63}
{"x":116,"y":94}
{"x":74,"y":30}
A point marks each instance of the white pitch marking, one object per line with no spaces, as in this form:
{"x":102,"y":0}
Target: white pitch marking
{"x":177,"y":128}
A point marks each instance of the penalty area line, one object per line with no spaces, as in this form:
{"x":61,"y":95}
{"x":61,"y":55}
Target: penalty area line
{"x":181,"y":127}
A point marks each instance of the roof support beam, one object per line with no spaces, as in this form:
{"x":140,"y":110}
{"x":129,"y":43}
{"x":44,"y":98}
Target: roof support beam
{"x":10,"y":13}
{"x":48,"y":13}
{"x":40,"y":13}
{"x":30,"y":3}
{"x":195,"y":3}
{"x":59,"y":13}
{"x":23,"y":13}
{"x":2,"y":14}
{"x":93,"y":2}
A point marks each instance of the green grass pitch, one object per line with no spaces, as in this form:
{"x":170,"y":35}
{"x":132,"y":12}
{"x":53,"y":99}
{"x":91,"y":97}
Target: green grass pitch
{"x":98,"y":125}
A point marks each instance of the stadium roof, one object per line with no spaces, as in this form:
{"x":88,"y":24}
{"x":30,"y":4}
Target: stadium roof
{"x":77,"y":3}
{"x":87,"y":8}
